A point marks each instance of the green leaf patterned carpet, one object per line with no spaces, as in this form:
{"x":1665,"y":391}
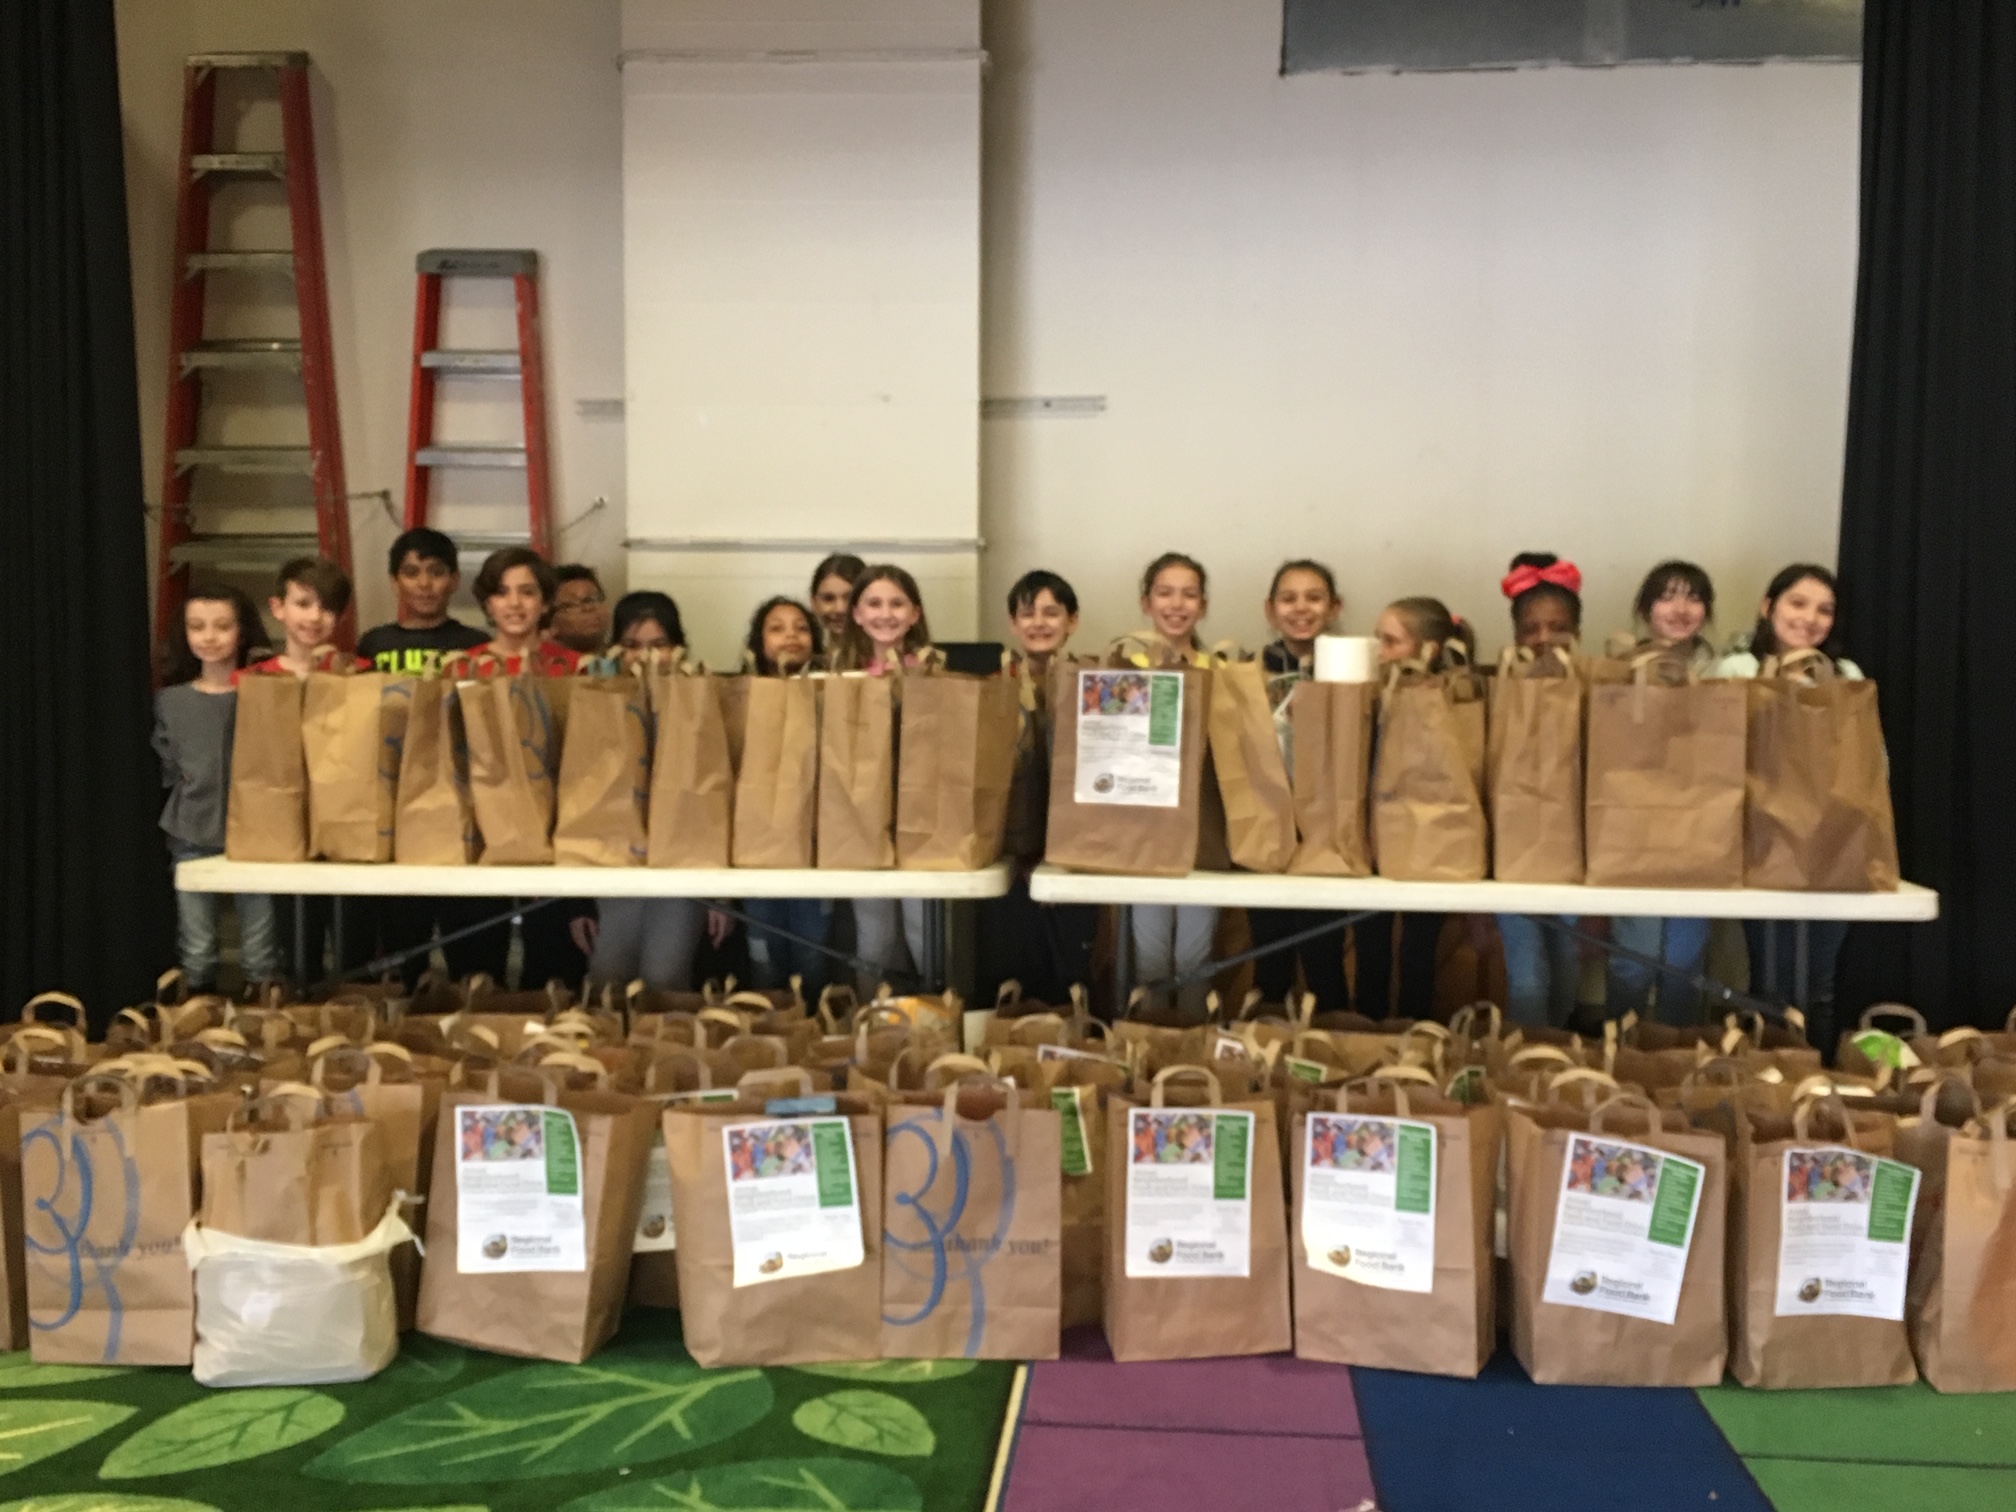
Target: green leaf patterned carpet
{"x":453,"y":1430}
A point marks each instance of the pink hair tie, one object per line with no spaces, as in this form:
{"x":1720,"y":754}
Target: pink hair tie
{"x":1525,"y":579}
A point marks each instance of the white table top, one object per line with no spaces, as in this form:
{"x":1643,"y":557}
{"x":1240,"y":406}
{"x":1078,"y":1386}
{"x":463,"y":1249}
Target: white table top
{"x":214,"y":874}
{"x":1910,"y":904}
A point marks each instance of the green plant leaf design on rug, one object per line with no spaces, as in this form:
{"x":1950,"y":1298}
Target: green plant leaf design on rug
{"x":222,"y":1430}
{"x":870,"y":1420}
{"x":552,"y":1420}
{"x":18,"y":1372}
{"x":31,"y":1431}
{"x":426,"y":1362}
{"x":896,"y":1372}
{"x":793,"y":1485}
{"x":109,"y":1501}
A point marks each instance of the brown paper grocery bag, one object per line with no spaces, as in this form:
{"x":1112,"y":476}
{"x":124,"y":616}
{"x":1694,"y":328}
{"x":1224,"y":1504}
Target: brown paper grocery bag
{"x":1451,"y":1329}
{"x":353,"y":725}
{"x":1201,"y":1316}
{"x":14,"y":1100}
{"x":1795,"y":1351}
{"x":1573,"y":1345}
{"x":286,"y":1171}
{"x":832,"y":1315}
{"x":550,"y":1315}
{"x":692,"y":768}
{"x":267,"y":815}
{"x":1330,"y":728}
{"x":956,"y":770}
{"x":972,"y":1235}
{"x":1533,"y":769}
{"x":1092,"y":826}
{"x":734,"y":695}
{"x":604,"y":780}
{"x":1963,"y":1268}
{"x":1252,"y":774}
{"x":108,"y":1283}
{"x":777,"y":782}
{"x":436,"y":818}
{"x":404,"y":1108}
{"x":513,"y":727}
{"x":1665,"y":767}
{"x":1817,"y":799}
{"x":857,"y":772}
{"x":1427,"y":784}
{"x":676,"y":1074}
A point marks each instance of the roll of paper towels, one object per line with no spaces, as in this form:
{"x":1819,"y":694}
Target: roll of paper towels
{"x":1346,"y":658}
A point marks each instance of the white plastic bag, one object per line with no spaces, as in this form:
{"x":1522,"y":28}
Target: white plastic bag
{"x":290,"y":1314}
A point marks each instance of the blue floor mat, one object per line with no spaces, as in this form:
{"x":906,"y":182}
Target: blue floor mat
{"x":1502,"y":1443}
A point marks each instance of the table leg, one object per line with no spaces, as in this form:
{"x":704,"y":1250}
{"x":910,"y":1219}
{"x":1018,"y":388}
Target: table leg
{"x":301,"y":941}
{"x":932,"y":967}
{"x":1801,"y":963}
{"x":1123,"y":958}
{"x":1769,"y":984}
{"x":336,"y":938}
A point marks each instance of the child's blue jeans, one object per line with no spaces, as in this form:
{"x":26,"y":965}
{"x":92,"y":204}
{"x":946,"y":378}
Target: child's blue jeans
{"x":1543,"y":969}
{"x":196,"y":916}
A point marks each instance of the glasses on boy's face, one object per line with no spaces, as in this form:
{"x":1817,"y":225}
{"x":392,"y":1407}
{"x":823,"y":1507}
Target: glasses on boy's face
{"x":578,"y":603}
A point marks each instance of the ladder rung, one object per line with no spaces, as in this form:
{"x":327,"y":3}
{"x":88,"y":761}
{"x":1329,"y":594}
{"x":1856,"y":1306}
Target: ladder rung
{"x":247,"y":549}
{"x":479,"y":262}
{"x":470,"y":456}
{"x":245,"y":353}
{"x":243,"y":262}
{"x":470,"y":361}
{"x":249,"y":60}
{"x":273,"y":163}
{"x":248,"y":459}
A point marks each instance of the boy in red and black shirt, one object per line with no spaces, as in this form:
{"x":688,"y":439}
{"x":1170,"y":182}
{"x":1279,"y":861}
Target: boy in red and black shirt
{"x":516,"y":588}
{"x":307,"y":601}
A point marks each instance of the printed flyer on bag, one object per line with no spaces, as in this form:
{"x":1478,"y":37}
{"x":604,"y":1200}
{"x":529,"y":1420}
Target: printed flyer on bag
{"x":1189,"y":1193}
{"x":1130,"y":738}
{"x":654,"y":1221}
{"x":1368,"y":1200}
{"x":518,"y":1190}
{"x":794,"y":1206}
{"x":1844,"y":1236}
{"x":1622,"y":1229}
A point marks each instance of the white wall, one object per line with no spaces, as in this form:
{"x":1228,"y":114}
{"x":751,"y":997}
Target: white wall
{"x":483,"y":123}
{"x":1408,"y":324}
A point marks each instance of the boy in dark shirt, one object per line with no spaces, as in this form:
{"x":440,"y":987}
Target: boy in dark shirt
{"x":426,"y":571}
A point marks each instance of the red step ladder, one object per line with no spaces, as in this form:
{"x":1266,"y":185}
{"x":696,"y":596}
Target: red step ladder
{"x":526,"y":364}
{"x":205,"y":168}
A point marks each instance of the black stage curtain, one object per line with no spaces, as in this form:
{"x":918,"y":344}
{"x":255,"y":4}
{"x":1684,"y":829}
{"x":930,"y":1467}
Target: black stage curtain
{"x":1928,"y":513}
{"x":84,"y":905}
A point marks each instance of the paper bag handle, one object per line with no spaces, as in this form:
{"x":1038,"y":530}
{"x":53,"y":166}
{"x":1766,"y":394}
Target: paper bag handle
{"x":31,"y":1011}
{"x":1169,"y":1073}
{"x":1532,"y":1055}
{"x":282,"y":1100}
{"x":572,"y":1060}
{"x":962,"y":1065}
{"x":1018,"y":1029}
{"x":1598,"y":1115}
{"x":127,"y":1093}
{"x":668,"y":1056}
{"x":1892,"y":1011}
{"x":795,"y":1077}
{"x":1802,"y":1118}
{"x":1586,"y":1076}
{"x":371,"y":1072}
{"x":1928,"y":1104}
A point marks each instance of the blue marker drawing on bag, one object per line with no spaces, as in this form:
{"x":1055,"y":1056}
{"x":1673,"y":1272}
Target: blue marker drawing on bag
{"x":392,"y":748}
{"x":538,"y":738}
{"x":640,"y":794}
{"x":71,"y":1249}
{"x":940,"y":1243}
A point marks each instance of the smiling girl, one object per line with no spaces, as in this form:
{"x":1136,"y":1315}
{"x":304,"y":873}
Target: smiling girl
{"x":886,"y":628}
{"x":1675,"y":605}
{"x":1302,"y":603}
{"x":784,"y":637}
{"x":516,"y":588}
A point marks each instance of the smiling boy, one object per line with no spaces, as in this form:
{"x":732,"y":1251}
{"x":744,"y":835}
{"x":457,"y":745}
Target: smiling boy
{"x":309,"y":598}
{"x":426,"y":572}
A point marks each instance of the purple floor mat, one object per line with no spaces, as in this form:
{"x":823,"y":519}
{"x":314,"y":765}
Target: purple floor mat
{"x":1266,"y":1432}
{"x":1135,"y":1470}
